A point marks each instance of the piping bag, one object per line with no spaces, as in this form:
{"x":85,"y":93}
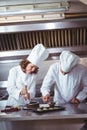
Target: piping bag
{"x":27,"y":100}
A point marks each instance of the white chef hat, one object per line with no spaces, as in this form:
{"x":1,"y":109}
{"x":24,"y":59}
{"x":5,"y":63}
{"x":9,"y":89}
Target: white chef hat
{"x":38,"y":54}
{"x":68,"y":60}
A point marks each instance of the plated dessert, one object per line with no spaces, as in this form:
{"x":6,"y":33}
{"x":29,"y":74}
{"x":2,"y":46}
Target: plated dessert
{"x":48,"y":108}
{"x":33,"y":105}
{"x":11,"y":109}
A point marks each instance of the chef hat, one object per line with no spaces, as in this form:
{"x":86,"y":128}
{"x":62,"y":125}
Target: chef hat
{"x":38,"y":54}
{"x":68,"y":60}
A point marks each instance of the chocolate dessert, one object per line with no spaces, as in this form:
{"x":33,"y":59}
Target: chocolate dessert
{"x":33,"y":105}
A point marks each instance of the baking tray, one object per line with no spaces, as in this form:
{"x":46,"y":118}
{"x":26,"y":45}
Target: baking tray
{"x":49,"y":109}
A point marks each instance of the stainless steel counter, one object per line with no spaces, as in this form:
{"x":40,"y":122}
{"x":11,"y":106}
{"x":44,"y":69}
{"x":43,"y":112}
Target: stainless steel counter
{"x":71,"y":112}
{"x":72,"y":117}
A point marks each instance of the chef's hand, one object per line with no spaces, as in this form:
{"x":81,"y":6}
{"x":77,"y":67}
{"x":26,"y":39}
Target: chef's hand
{"x":23,"y":91}
{"x":75,"y":100}
{"x":27,"y":96}
{"x":46,"y":98}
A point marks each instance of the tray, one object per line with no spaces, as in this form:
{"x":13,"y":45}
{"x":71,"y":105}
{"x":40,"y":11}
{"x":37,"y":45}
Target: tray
{"x":49,"y":109}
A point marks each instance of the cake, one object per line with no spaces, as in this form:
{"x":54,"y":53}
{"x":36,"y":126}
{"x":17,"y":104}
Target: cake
{"x":33,"y":105}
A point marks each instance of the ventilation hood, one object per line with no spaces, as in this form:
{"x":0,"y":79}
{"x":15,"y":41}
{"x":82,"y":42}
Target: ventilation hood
{"x":32,"y":10}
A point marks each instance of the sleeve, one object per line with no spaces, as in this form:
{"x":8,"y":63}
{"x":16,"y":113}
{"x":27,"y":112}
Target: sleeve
{"x":47,"y":82}
{"x":12,"y":88}
{"x":83,"y":93}
{"x":32,"y":87}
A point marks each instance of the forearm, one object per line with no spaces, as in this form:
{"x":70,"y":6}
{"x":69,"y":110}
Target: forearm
{"x":81,"y":96}
{"x":45,"y":89}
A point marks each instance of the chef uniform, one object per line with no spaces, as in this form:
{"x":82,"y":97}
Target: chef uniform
{"x":17,"y":78}
{"x":72,"y":84}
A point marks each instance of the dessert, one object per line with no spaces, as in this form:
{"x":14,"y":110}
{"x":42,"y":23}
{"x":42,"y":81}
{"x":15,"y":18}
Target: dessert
{"x":32,"y":105}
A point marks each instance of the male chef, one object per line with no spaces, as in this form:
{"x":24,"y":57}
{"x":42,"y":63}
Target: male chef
{"x":22,"y":78}
{"x":69,"y":77}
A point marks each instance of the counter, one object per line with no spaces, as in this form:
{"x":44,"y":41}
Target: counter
{"x":72,"y":117}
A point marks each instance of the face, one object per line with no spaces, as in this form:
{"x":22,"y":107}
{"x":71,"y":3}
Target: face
{"x":30,"y":68}
{"x":63,"y":72}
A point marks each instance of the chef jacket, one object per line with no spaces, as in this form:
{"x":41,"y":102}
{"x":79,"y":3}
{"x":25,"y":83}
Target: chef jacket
{"x":72,"y":84}
{"x":16,"y":80}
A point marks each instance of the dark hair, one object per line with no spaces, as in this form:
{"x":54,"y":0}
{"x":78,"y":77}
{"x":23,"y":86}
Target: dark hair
{"x":24,"y":64}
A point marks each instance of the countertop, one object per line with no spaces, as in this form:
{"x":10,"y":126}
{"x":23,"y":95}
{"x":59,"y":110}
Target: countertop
{"x":71,"y":111}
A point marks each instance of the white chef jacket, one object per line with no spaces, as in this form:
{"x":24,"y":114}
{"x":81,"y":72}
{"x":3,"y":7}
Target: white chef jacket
{"x":72,"y":84}
{"x":16,"y":80}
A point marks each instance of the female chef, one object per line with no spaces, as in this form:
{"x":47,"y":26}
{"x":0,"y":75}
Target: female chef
{"x":70,"y":80}
{"x":22,"y":78}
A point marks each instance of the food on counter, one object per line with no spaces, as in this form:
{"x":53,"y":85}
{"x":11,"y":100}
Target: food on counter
{"x":49,"y":109}
{"x":45,"y":108}
{"x":55,"y":107}
{"x":11,"y":109}
{"x":33,"y":105}
{"x":39,"y":109}
{"x":43,"y":105}
{"x":51,"y":104}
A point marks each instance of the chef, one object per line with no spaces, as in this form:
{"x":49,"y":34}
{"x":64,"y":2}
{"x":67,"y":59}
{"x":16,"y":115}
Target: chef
{"x":22,"y":78}
{"x":70,"y":79}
